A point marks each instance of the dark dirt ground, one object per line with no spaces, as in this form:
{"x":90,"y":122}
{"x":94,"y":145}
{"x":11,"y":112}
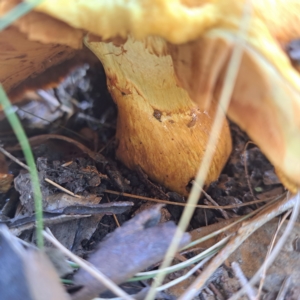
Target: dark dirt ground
{"x":85,"y":176}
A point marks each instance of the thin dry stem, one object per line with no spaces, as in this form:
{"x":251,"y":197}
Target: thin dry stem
{"x":211,"y":200}
{"x":224,"y":101}
{"x":186,"y":276}
{"x":284,"y":288}
{"x":245,"y":155}
{"x":263,"y":275}
{"x":242,"y":279}
{"x":13,"y":158}
{"x":60,"y":126}
{"x":62,"y":188}
{"x":186,"y":204}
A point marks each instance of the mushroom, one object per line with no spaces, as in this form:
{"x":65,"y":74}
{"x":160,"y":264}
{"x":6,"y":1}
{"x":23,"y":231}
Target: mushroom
{"x":159,"y":128}
{"x":201,"y":35}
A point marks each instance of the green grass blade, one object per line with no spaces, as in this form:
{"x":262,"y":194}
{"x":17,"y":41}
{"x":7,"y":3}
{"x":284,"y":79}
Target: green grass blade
{"x":22,"y":138}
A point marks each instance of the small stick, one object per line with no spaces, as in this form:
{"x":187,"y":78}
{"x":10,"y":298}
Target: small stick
{"x":243,"y":280}
{"x":263,"y":275}
{"x":13,"y":158}
{"x":246,"y":169}
{"x":62,"y":188}
{"x":60,"y":126}
{"x":216,"y":292}
{"x":106,"y":145}
{"x":67,"y":164}
{"x":209,"y":198}
{"x":184,"y":204}
{"x":243,"y":233}
{"x":284,"y":288}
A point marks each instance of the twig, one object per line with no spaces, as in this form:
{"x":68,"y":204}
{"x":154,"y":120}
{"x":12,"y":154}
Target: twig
{"x":66,"y":164}
{"x":45,"y":137}
{"x":284,"y":288}
{"x":209,"y":198}
{"x":94,"y":120}
{"x":107,"y":144}
{"x":224,"y":229}
{"x":243,"y":280}
{"x":245,"y":155}
{"x":184,"y":204}
{"x":13,"y":158}
{"x":216,"y":292}
{"x":91,"y":269}
{"x":62,"y":188}
{"x":182,"y":258}
{"x":60,"y":126}
{"x":263,"y":275}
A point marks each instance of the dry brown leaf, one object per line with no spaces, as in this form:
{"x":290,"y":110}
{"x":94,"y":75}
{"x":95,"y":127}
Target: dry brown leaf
{"x":131,"y":248}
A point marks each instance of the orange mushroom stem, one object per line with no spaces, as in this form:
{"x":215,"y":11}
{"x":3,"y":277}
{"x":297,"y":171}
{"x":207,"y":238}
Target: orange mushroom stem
{"x":159,"y":128}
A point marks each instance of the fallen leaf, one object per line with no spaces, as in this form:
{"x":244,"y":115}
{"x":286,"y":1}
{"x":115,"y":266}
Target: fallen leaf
{"x":26,"y":273}
{"x":136,"y":245}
